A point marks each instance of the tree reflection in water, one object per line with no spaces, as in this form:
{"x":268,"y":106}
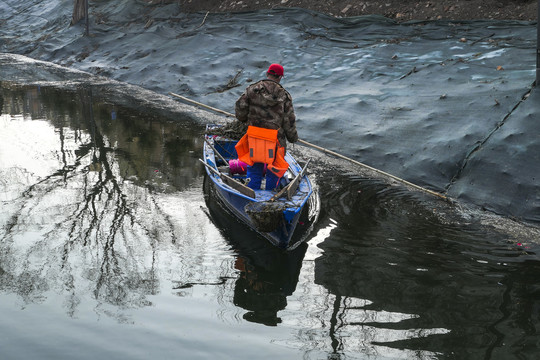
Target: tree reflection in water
{"x":403,"y":281}
{"x":101,"y":212}
{"x":82,"y":202}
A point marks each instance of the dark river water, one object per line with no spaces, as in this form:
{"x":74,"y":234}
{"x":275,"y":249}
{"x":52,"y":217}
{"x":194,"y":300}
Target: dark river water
{"x":110,"y":248}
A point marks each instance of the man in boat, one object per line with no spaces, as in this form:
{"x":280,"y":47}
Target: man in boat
{"x":267,"y":109}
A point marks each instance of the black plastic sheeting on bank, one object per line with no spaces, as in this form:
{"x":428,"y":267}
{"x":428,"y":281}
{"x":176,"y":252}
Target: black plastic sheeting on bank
{"x":446,"y":105}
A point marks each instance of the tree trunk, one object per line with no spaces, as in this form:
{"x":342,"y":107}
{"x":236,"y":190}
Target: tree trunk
{"x":79,"y":11}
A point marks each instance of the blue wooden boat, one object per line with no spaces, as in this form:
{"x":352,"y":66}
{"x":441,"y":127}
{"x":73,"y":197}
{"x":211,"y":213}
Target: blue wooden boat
{"x":272,"y":214}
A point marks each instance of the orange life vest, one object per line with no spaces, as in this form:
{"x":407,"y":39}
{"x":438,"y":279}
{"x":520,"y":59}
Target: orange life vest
{"x":260,"y":145}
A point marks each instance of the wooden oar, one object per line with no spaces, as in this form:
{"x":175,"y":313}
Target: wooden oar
{"x":215,"y":151}
{"x":231,"y":182}
{"x":327,"y":151}
{"x":403,"y":181}
{"x":291,"y":187}
{"x":201,"y":105}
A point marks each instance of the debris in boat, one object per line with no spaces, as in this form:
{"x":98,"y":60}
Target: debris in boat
{"x":224,"y":170}
{"x":233,"y":130}
{"x":266,"y":216}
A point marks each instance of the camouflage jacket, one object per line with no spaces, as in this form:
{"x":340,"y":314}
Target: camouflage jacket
{"x":268,"y":105}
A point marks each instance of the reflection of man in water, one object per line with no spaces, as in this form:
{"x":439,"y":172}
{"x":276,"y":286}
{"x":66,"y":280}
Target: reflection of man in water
{"x":266,"y":278}
{"x":259,"y":293}
{"x":266,"y":104}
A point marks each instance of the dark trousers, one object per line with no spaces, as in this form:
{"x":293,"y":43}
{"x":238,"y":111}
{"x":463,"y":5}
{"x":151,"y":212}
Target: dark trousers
{"x":255,"y":173}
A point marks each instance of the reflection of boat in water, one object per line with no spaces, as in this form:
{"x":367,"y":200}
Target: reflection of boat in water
{"x":275,"y":216}
{"x":267,"y":274}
